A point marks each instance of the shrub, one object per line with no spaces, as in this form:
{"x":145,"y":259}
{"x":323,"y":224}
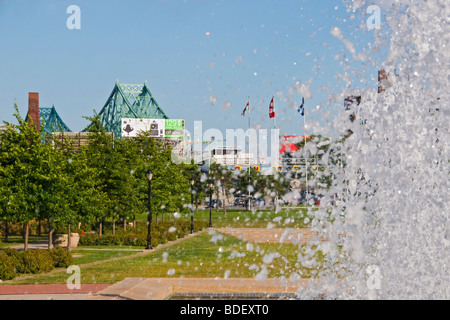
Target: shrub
{"x":36,"y":261}
{"x":138,"y":236}
{"x":61,"y":257}
{"x":17,"y":228}
{"x":16,"y":257}
{"x":171,"y":236}
{"x":7,"y":269}
{"x":13,"y":262}
{"x":89,"y":239}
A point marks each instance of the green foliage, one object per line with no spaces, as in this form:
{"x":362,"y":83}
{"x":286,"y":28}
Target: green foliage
{"x":24,"y":171}
{"x":161,"y":233}
{"x":36,"y":261}
{"x":17,"y":260}
{"x":258,"y":185}
{"x":7,"y":269}
{"x":61,"y":257}
{"x":104,"y":179}
{"x":14,"y":262}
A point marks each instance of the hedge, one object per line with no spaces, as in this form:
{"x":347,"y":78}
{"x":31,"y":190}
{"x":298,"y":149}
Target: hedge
{"x":161,"y":233}
{"x":14,"y":262}
{"x":7,"y":269}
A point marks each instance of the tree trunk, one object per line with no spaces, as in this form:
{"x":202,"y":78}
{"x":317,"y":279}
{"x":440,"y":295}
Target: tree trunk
{"x":69,"y":233}
{"x":217,"y":202}
{"x":100,"y":227}
{"x":124,"y":224}
{"x":276,"y":201}
{"x":224,"y":202}
{"x":27,"y":227}
{"x":162,"y":217}
{"x":6,"y":230}
{"x":50,"y":234}
{"x":114,"y":225}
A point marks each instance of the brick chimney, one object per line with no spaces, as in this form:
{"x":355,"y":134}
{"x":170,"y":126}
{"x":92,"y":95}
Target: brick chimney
{"x":33,"y":109}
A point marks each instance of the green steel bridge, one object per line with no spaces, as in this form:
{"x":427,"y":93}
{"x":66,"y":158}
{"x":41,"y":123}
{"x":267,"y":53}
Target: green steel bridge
{"x":129,"y":101}
{"x":51,"y":121}
{"x":125,"y":101}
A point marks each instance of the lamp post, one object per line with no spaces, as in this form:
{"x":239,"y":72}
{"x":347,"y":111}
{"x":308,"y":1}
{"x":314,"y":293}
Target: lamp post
{"x":192,"y":182}
{"x":210,"y":202}
{"x":205,"y":169}
{"x":149,"y":235}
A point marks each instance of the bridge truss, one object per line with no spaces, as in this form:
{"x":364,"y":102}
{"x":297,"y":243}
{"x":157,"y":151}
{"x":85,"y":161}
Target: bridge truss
{"x":129,"y":101}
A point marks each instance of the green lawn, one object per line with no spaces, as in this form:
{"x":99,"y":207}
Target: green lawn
{"x":261,"y":218}
{"x":203,"y":256}
{"x":87,"y":256}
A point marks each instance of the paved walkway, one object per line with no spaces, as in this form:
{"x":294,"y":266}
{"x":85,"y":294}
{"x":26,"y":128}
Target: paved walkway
{"x":192,"y":288}
{"x":42,"y":244}
{"x":275,"y":235}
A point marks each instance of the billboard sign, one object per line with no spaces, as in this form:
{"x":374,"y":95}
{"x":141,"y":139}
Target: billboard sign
{"x":174,"y":128}
{"x":159,"y":128}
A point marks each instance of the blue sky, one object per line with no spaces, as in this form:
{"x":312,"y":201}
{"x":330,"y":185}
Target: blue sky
{"x":201,"y":59}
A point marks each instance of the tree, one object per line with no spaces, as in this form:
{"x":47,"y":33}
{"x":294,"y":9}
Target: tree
{"x":98,"y":154}
{"x":223,"y":181}
{"x":123,"y":190}
{"x":170,"y":184}
{"x":26,"y":173}
{"x":83,"y":201}
{"x":250,"y":183}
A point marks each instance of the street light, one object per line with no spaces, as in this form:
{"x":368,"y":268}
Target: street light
{"x":149,"y":175}
{"x":205,"y":169}
{"x":210,"y":202}
{"x":192,"y":182}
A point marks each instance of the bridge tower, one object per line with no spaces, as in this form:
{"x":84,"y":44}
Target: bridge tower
{"x":129,"y":101}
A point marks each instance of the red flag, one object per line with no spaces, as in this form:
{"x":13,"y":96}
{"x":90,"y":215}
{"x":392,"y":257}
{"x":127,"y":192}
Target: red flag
{"x":271,"y":110}
{"x":246,"y":108}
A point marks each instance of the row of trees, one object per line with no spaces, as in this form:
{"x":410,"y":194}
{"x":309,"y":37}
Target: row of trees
{"x":105,"y":179}
{"x":245,"y":183}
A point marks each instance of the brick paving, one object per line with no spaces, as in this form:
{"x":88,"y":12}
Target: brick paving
{"x":49,"y":289}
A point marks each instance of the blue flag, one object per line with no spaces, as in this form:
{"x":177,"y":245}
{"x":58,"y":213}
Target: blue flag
{"x":301,"y":109}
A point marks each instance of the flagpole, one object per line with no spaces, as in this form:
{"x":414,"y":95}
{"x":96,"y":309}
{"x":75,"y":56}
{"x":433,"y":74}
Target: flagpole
{"x":276,"y":192}
{"x":249,"y":176}
{"x":304,"y":150}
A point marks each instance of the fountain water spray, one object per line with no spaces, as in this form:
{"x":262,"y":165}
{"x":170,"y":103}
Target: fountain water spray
{"x":389,"y":235}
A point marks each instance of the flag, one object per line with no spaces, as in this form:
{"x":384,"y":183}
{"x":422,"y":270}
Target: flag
{"x":246,"y":108}
{"x":301,"y":109}
{"x":271,"y":109}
